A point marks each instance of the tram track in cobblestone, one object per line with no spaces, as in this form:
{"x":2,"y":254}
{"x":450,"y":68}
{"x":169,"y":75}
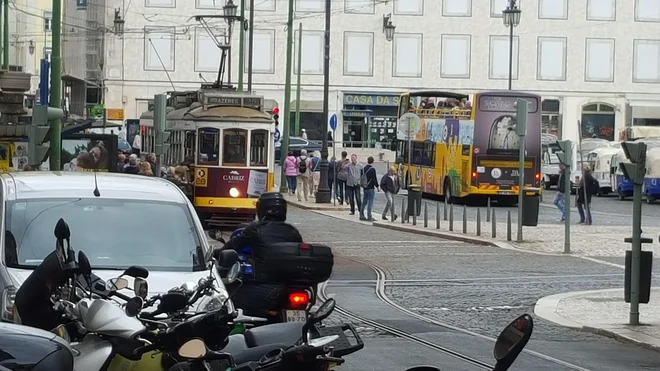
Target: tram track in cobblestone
{"x":381,"y":282}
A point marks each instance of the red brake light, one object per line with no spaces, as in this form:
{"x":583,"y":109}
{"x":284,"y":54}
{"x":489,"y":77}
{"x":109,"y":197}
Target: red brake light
{"x":474,"y":175}
{"x":305,"y":246}
{"x":298,"y":299}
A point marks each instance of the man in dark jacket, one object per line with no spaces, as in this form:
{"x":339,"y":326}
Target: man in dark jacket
{"x":588,"y":186}
{"x":271,"y":226}
{"x":369,"y":182}
{"x":389,"y":184}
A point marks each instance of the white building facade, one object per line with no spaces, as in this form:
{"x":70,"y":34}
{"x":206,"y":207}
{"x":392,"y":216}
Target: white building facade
{"x":595,"y":61}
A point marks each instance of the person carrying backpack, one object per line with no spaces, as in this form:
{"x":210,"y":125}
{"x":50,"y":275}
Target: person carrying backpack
{"x":304,"y":165}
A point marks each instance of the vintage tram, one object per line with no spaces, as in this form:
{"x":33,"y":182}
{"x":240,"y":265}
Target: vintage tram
{"x":231,"y":138}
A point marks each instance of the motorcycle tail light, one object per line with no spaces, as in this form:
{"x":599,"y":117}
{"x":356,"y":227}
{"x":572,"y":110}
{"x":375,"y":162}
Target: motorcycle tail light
{"x":298,"y":299}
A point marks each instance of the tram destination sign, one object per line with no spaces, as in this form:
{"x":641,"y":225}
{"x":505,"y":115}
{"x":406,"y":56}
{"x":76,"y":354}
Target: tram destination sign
{"x":254,"y":102}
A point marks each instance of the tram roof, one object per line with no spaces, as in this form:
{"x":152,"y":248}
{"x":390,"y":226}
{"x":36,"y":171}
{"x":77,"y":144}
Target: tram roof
{"x":229,"y":113}
{"x":178,"y":114}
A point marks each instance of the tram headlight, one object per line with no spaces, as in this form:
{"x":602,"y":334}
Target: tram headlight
{"x":234,"y":192}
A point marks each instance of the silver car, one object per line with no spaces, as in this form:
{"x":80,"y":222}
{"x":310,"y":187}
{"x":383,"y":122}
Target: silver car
{"x":136,"y":220}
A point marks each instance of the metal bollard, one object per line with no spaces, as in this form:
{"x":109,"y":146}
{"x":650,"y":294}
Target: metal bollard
{"x":392,"y":209}
{"x":426,"y":216}
{"x":437,"y":215}
{"x":464,"y":219}
{"x":488,"y":210}
{"x":445,"y":210}
{"x":508,"y":225}
{"x":413,"y":209}
{"x":478,"y":222}
{"x":451,"y":218}
{"x":403,"y":211}
{"x":494,"y":224}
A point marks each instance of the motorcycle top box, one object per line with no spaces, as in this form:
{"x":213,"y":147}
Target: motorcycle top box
{"x":293,"y":263}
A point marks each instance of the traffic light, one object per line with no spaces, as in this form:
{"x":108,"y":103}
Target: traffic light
{"x":522,"y":108}
{"x":565,"y":153}
{"x":636,"y":169}
{"x":276,"y":115}
{"x":39,"y":132}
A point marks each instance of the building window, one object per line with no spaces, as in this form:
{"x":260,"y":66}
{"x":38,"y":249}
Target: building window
{"x":310,"y":6}
{"x":48,"y":21}
{"x":497,"y":6}
{"x":598,"y":121}
{"x":234,"y":147}
{"x":551,"y":58}
{"x":312,"y":53}
{"x":455,"y":58}
{"x":359,"y":6}
{"x":599,"y":63}
{"x":499,"y":58}
{"x":209,"y":146}
{"x":407,"y":55}
{"x":358,"y":53}
{"x":553,"y":9}
{"x":457,"y":8}
{"x":209,"y":4}
{"x":646,"y":61}
{"x":259,"y":148}
{"x":409,"y":7}
{"x":601,"y":10}
{"x":265,"y":5}
{"x":550,"y":117}
{"x":160,"y":3}
{"x":263,"y":55}
{"x":647,"y":10}
{"x":207,"y":53}
{"x":159,"y":50}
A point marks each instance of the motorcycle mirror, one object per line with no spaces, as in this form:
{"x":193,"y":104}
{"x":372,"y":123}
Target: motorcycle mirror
{"x":134,"y":306}
{"x":116,"y":284}
{"x":321,"y":313}
{"x":227,"y":258}
{"x":512,"y":340}
{"x":233,"y":273}
{"x":84,"y":265}
{"x":193,"y":349}
{"x":62,"y":231}
{"x":172,"y":302}
{"x":141,"y":287}
{"x":136,"y":271}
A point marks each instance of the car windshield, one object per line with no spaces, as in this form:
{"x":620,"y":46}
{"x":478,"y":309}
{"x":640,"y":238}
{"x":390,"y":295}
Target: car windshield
{"x":114,"y":233}
{"x":123,"y":145}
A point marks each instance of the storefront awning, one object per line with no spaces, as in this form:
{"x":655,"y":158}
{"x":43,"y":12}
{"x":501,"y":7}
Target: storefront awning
{"x":643,"y":100}
{"x":356,"y":112}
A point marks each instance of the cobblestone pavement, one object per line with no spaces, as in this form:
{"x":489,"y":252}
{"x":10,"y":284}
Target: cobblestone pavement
{"x":474,"y":287}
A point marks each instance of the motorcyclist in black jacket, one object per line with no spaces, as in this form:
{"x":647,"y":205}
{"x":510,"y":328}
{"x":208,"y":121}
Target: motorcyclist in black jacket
{"x":271,"y":226}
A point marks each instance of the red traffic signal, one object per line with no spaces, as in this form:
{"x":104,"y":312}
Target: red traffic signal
{"x":276,"y":111}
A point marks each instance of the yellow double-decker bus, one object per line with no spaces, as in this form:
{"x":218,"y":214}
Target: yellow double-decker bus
{"x":467,"y":146}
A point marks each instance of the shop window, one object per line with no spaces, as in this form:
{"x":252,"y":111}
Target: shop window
{"x":598,"y":121}
{"x":259,"y":148}
{"x":234,"y":147}
{"x":550,"y":118}
{"x":209,"y":146}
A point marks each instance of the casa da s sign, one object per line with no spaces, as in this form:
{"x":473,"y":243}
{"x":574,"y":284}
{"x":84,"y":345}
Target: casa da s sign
{"x":371,"y":100}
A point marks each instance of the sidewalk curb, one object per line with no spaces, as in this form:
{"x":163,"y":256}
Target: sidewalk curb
{"x":546,"y":308}
{"x":316,"y":207}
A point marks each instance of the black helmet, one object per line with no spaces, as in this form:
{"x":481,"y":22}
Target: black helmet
{"x":271,"y":206}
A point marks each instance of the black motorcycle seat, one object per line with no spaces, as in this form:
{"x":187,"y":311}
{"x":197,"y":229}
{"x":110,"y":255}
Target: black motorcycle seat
{"x":242,"y":353}
{"x":278,"y":333}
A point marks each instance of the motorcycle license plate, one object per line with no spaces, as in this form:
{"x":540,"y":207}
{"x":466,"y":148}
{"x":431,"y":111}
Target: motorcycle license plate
{"x":296,"y":316}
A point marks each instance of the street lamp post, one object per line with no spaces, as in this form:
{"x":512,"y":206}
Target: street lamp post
{"x":229,"y":11}
{"x":324,"y":195}
{"x":511,"y":19}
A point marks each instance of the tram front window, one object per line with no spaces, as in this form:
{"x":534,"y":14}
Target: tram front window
{"x":259,"y":148}
{"x":234,"y":147}
{"x":209,"y":144}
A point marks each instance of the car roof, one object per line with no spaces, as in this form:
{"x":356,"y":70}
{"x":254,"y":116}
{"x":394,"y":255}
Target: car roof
{"x":80,"y":184}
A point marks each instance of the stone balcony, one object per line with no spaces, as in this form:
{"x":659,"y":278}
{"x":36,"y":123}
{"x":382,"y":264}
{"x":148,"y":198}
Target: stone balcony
{"x":14,"y":82}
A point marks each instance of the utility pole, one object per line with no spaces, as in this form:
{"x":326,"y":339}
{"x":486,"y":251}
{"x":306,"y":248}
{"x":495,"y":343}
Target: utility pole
{"x":323,"y":195}
{"x":296,"y":129}
{"x":56,"y":86}
{"x":1,"y":33}
{"x":250,"y":45}
{"x":241,"y":48}
{"x":5,"y":36}
{"x":287,"y":97}
{"x":565,"y":156}
{"x":160,"y":113}
{"x":521,"y":130}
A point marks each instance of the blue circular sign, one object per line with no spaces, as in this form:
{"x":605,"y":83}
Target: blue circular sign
{"x":277,"y":135}
{"x":333,"y":122}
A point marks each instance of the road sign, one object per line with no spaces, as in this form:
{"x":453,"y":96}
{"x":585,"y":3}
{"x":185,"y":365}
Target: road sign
{"x":114,"y":114}
{"x":277,"y":135}
{"x":409,"y":125}
{"x":333,"y":122}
